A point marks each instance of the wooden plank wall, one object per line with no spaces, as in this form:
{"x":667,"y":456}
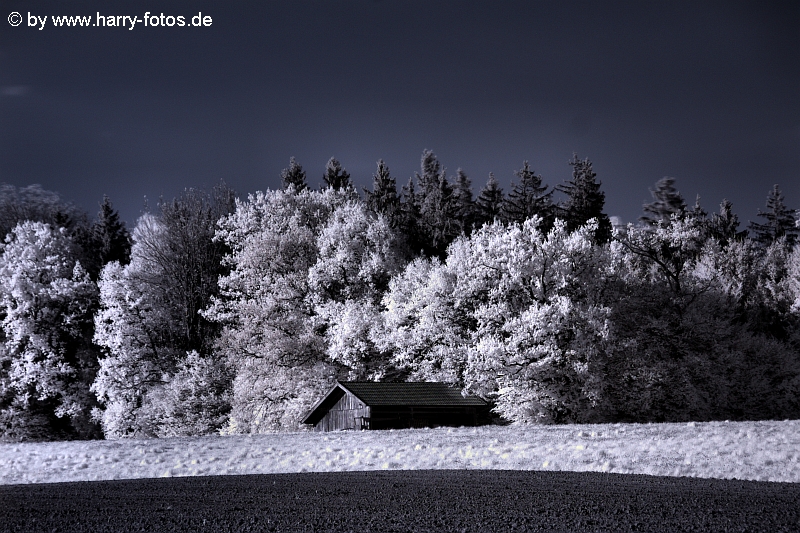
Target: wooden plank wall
{"x":343,"y":414}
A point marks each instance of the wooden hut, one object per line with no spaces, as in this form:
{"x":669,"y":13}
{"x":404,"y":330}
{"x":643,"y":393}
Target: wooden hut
{"x":370,"y":405}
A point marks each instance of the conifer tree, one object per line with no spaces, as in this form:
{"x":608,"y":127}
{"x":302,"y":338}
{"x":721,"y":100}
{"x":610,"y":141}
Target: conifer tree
{"x":527,"y":198}
{"x":434,"y":206}
{"x":410,"y":219}
{"x":383,"y":199}
{"x":465,"y":204}
{"x":427,"y":181}
{"x":440,"y":216}
{"x":667,"y":201}
{"x":585,"y":200}
{"x":419,"y":187}
{"x":724,"y":225}
{"x":697,"y":212}
{"x":780,"y":221}
{"x":489,"y":205}
{"x":335,"y":176}
{"x":112,"y":239}
{"x":294,"y":175}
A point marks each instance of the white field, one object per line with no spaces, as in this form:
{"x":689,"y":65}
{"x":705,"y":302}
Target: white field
{"x":764,"y":451}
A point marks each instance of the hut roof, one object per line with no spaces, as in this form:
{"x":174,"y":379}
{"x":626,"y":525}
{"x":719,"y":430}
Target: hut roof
{"x":412,"y":394}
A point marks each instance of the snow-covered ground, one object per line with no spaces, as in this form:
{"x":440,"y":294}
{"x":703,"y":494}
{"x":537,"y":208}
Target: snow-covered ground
{"x":766,"y":451}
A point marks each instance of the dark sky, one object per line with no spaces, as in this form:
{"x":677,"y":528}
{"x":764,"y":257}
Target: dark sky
{"x":706,"y":92}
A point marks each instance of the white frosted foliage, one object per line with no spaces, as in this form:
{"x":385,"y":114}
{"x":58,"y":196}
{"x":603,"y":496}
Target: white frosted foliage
{"x":46,"y":302}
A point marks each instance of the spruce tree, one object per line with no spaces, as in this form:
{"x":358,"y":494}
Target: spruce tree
{"x":667,"y":201}
{"x":424,"y":184}
{"x":697,"y":212}
{"x":528,"y":197}
{"x":427,"y":181}
{"x":724,"y":225}
{"x":489,"y":205}
{"x":410,"y":219}
{"x":294,"y":175}
{"x":585,"y":200}
{"x":383,"y":199}
{"x":440,"y":215}
{"x":111,"y":237}
{"x":780,"y":221}
{"x":335,"y":176}
{"x":434,"y":206}
{"x":465,"y":204}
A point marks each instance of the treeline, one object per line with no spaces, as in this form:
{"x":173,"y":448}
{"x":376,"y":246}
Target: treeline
{"x":217,"y":314}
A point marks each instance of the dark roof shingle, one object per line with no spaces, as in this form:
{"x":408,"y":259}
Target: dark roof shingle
{"x":411,"y":394}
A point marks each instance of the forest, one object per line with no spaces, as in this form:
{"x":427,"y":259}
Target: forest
{"x":218,"y":314}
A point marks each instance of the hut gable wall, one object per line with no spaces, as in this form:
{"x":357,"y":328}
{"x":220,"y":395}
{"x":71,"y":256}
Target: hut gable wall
{"x":347,"y":413}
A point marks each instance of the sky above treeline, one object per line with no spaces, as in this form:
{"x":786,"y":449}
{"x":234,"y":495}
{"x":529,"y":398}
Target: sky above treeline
{"x":705,"y":92}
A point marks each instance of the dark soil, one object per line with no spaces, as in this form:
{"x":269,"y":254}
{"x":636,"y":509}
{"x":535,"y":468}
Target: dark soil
{"x":404,"y":501}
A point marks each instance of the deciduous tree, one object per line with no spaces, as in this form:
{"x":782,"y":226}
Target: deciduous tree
{"x":358,"y":254}
{"x":150,"y":312}
{"x":47,"y":362}
{"x":509,"y":315}
{"x":272,"y":337}
{"x":38,"y":205}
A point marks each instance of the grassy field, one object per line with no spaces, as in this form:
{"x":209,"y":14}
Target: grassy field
{"x":764,"y":451}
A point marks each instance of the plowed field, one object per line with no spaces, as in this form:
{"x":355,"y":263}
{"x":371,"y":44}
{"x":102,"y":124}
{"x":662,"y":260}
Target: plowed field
{"x":404,"y":501}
